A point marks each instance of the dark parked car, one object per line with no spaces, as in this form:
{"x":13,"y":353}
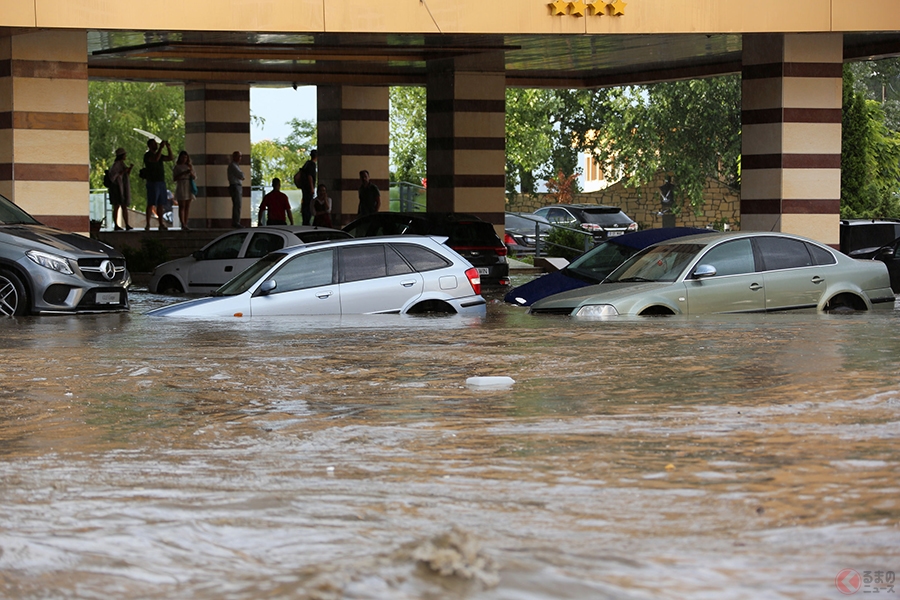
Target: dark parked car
{"x":45,"y":270}
{"x":600,"y":221}
{"x":861,"y":238}
{"x":593,"y":266}
{"x":522,"y":230}
{"x":474,"y":239}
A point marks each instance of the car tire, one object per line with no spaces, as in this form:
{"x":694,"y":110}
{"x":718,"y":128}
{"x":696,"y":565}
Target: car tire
{"x":169,"y":286}
{"x":13,"y":295}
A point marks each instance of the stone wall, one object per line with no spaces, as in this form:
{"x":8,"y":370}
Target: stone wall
{"x":722,"y":204}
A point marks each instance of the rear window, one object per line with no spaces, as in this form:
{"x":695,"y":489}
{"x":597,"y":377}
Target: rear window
{"x":469,"y":234}
{"x":606,"y":216}
{"x":421,"y":259}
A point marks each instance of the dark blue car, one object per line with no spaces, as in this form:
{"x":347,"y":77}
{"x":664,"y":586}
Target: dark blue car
{"x":593,"y":266}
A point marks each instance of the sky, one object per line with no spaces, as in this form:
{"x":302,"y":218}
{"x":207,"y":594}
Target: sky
{"x":278,"y":106}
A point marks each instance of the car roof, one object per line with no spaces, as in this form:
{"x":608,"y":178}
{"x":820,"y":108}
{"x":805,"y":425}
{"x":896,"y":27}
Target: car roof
{"x":718,"y":236}
{"x":294,"y":228}
{"x":648,"y":237}
{"x":378,"y":239}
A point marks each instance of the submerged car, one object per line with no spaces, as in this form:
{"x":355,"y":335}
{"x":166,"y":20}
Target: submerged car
{"x":210,"y":267}
{"x":44,"y":270}
{"x":593,"y":266}
{"x":474,"y":239}
{"x":730,"y":273}
{"x":397,"y":274}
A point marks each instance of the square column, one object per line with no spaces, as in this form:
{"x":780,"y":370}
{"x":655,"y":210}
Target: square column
{"x":216,"y":123}
{"x":791,"y":113}
{"x":44,"y":152}
{"x":354,"y":135}
{"x":467,"y":137}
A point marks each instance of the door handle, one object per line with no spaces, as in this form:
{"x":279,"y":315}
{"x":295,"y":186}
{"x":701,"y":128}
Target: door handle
{"x":408,"y":283}
{"x":817,"y":280}
{"x":229,"y":269}
{"x":755,"y":287}
{"x":323,"y":295}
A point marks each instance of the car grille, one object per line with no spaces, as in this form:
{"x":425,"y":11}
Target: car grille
{"x":551,"y":311}
{"x":92,"y":268}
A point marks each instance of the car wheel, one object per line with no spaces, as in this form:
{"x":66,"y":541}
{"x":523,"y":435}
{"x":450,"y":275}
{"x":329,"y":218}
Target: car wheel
{"x":845,"y":303}
{"x":13,"y":296}
{"x":170,"y":286}
{"x":432,"y":307}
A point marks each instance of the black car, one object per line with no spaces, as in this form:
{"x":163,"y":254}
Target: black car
{"x":862,"y":238}
{"x":474,"y":239}
{"x":522,"y":230}
{"x":599,"y":220}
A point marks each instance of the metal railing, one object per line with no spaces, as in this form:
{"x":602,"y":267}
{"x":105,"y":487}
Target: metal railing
{"x":539,"y":243}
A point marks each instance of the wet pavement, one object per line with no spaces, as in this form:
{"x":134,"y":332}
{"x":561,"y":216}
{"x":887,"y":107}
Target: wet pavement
{"x":717,"y":457}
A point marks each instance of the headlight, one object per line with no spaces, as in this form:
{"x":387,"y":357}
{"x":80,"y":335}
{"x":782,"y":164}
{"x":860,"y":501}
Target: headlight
{"x":597,"y":310}
{"x":50,"y":261}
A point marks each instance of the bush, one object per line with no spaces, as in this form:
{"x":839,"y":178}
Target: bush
{"x":566,"y":243}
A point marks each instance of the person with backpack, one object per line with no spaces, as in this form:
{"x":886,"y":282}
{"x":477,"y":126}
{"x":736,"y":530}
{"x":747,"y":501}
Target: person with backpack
{"x":118,"y":181}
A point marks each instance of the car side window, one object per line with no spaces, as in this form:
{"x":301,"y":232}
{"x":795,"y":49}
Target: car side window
{"x":263,"y":243}
{"x":304,"y":271}
{"x":421,"y":259}
{"x":559,"y":216}
{"x":783,"y":253}
{"x":395,"y":263}
{"x":363,"y":262}
{"x":731,"y":258}
{"x":227,"y":247}
{"x":821,"y":256}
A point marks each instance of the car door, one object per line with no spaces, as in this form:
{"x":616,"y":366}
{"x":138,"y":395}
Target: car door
{"x":217,"y":263}
{"x":375,"y":279}
{"x":736,"y":286}
{"x":304,"y":285}
{"x":792,"y":279}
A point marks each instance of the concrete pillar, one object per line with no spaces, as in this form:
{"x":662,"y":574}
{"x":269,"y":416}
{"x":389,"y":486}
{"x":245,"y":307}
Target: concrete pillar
{"x":44,"y":156}
{"x":354,"y":134}
{"x":467,"y":137}
{"x":791,"y":171}
{"x":216,"y":123}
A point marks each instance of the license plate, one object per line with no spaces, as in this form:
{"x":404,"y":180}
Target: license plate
{"x":108,"y":298}
{"x":614,"y":233}
{"x":483,"y":271}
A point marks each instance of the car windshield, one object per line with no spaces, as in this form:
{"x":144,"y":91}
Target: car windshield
{"x":596,"y":264}
{"x":249,"y":276}
{"x":661,"y":263}
{"x":10,"y":214}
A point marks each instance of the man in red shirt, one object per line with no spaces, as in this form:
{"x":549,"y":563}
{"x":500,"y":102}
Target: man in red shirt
{"x":277,"y":205}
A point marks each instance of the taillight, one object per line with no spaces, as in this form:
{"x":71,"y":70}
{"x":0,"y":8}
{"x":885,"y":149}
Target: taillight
{"x":633,"y":227}
{"x":474,"y":279}
{"x":501,"y":250}
{"x":508,"y":240}
{"x":591,"y":227}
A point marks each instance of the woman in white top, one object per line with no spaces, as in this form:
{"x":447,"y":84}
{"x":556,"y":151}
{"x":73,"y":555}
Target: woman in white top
{"x":183,"y":174}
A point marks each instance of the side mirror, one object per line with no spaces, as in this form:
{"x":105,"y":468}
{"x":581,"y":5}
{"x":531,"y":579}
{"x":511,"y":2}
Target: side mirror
{"x":703,"y":271}
{"x":198,"y":255}
{"x":267,"y":287}
{"x":886,"y":252}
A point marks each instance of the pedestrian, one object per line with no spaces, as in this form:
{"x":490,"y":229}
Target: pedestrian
{"x":369,"y":196}
{"x":155,"y":174}
{"x":183,"y":174}
{"x":305,"y":180}
{"x":120,"y":192}
{"x":236,"y":187}
{"x":276,"y":206}
{"x":322,"y":207}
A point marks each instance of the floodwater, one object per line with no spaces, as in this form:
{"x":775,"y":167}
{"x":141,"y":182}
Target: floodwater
{"x":716,"y":457}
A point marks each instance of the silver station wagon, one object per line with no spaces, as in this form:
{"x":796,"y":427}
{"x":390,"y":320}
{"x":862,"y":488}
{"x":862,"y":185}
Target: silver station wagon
{"x":396,"y":274}
{"x":730,"y":273}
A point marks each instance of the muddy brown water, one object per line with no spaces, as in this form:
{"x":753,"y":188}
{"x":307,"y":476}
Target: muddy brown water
{"x":716,"y":457}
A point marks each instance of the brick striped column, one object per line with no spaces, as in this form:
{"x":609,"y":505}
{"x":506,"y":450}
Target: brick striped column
{"x":217,"y":122}
{"x":467,"y":137}
{"x":44,"y":156}
{"x":354,"y":134}
{"x":791,"y":176}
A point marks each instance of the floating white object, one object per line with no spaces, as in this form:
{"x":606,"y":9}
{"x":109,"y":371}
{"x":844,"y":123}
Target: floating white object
{"x":490,"y":382}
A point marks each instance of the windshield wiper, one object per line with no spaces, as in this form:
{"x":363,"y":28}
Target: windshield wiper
{"x":635,"y":279}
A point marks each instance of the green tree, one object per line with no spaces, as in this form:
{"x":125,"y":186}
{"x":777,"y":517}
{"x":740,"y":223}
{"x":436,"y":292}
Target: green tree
{"x":408,"y":133}
{"x":870,"y":156}
{"x":282,"y":158}
{"x":115,"y":110}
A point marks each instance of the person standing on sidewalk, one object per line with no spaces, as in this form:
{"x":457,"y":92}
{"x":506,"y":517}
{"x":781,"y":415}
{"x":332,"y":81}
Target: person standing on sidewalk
{"x":154,"y":170}
{"x":305,"y":180}
{"x":236,"y":187}
{"x":276,"y":206}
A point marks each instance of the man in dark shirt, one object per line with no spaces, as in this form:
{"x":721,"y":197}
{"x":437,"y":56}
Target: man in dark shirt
{"x":305,"y":180}
{"x":369,"y":196}
{"x":157,"y":194}
{"x":276,"y":205}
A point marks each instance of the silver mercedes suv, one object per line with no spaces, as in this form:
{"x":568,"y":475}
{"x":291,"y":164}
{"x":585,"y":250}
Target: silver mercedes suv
{"x":46,"y":270}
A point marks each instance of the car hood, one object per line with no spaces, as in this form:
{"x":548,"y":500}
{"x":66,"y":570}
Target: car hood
{"x":211,"y":307}
{"x":543,"y":286}
{"x":603,"y":293}
{"x":40,"y":237}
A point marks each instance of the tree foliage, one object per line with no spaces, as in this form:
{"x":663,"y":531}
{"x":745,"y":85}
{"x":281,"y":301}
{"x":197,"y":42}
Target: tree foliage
{"x":408,"y":133}
{"x":116,"y":109}
{"x":282,"y":158}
